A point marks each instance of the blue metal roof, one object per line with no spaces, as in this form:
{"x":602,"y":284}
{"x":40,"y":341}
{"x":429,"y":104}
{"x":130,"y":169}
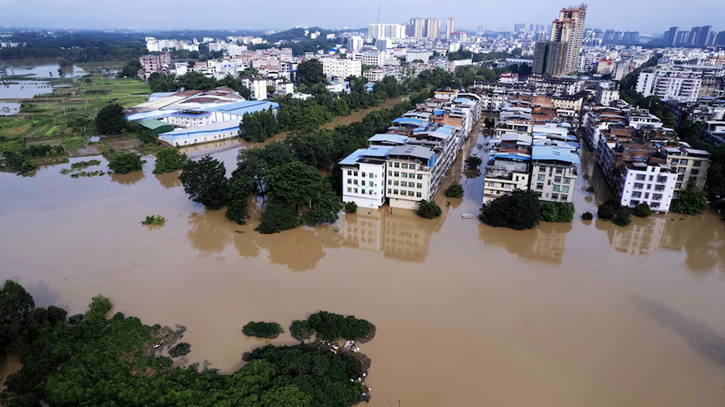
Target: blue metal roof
{"x":389,"y":138}
{"x":408,"y":120}
{"x":372,"y":151}
{"x":554,"y":153}
{"x":240,"y":108}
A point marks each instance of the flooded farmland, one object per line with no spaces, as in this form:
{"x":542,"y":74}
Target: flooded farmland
{"x":580,"y":314}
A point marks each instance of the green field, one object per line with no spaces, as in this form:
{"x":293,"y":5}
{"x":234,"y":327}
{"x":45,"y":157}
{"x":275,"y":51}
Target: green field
{"x":66,"y":116}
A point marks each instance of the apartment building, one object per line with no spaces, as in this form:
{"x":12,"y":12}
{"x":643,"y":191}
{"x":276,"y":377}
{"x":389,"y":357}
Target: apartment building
{"x":508,"y":167}
{"x":341,"y":67}
{"x":363,"y":176}
{"x":410,"y":176}
{"x":554,"y":172}
{"x":257,"y":86}
{"x":513,"y":126}
{"x":154,"y":63}
{"x":650,"y":182}
{"x":690,"y":164}
{"x":680,"y":84}
{"x":382,"y":31}
{"x":607,"y":92}
{"x":372,"y":58}
{"x":568,"y":29}
{"x":640,"y":118}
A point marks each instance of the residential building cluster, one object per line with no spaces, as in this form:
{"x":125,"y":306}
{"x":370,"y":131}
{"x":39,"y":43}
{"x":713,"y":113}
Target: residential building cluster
{"x":408,"y":163}
{"x":560,"y":55}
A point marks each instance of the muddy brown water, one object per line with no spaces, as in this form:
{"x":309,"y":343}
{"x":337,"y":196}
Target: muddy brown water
{"x":580,"y":314}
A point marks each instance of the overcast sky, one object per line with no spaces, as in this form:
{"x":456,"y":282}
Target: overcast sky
{"x":646,"y":16}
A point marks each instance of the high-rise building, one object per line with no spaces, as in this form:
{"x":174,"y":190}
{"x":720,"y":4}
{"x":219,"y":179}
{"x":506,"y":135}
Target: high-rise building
{"x":719,"y":39}
{"x":670,"y":36}
{"x":449,"y":27}
{"x":416,"y":28}
{"x":692,"y":38}
{"x":568,"y":29}
{"x":681,"y":38}
{"x":703,"y":35}
{"x":354,"y":44}
{"x":479,"y":30}
{"x":519,"y":28}
{"x":432,"y":27}
{"x":549,"y":58}
{"x":392,"y":31}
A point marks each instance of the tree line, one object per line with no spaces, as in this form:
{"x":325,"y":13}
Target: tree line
{"x":91,"y":359}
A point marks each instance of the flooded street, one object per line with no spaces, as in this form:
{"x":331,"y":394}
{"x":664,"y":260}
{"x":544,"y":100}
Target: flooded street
{"x":580,"y":314}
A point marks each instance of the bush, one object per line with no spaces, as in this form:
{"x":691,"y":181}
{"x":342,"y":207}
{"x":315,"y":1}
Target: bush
{"x":301,"y":330}
{"x":428,"y":209}
{"x":269,"y":330}
{"x":608,"y":210}
{"x":98,"y":308}
{"x":154,"y":220}
{"x":473,"y":162}
{"x":454,"y":191}
{"x":123,"y":163}
{"x":586,"y":176}
{"x":623,"y":217}
{"x":170,"y":160}
{"x":557,"y":211}
{"x":518,"y":211}
{"x":642,"y":210}
{"x":350,"y":207}
{"x":276,"y":218}
{"x":180,"y":349}
{"x":587,"y":216}
{"x":333,"y":327}
{"x":590,"y":190}
{"x":690,"y":201}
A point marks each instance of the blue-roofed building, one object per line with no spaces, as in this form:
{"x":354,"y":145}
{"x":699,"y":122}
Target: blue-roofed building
{"x":235,"y":111}
{"x":388,"y":139}
{"x":201,"y":134}
{"x":363,"y":176}
{"x":554,"y":172}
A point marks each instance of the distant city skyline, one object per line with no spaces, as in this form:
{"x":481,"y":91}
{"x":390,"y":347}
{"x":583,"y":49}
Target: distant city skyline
{"x":646,"y":16}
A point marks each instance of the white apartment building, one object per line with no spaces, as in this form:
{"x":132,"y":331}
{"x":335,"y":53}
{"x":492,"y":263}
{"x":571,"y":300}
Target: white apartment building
{"x":373,"y":58}
{"x":257,"y":86}
{"x":554,"y":173}
{"x":653,"y":184}
{"x":340,"y":67}
{"x":392,"y":31}
{"x":607,"y":93}
{"x":363,"y":176}
{"x":374,"y":75}
{"x":285,"y":88}
{"x":354,"y":44}
{"x":682,"y":85}
{"x":505,"y":173}
{"x":410,"y":176}
{"x":643,"y":118}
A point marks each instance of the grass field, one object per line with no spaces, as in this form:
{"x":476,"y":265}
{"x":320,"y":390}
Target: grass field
{"x":66,"y":116}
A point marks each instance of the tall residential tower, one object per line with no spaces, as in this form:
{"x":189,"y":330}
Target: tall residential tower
{"x":568,"y":29}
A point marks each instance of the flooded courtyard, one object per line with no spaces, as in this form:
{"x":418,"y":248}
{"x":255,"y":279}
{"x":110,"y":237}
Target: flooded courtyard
{"x":580,"y":314}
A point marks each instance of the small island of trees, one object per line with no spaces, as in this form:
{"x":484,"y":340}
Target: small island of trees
{"x":268,"y":330}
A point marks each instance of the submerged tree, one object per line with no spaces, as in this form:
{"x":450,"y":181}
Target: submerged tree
{"x":206,"y":182}
{"x":517,"y":211}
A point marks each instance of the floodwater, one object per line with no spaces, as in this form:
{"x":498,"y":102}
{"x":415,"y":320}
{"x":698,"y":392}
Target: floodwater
{"x":23,"y":89}
{"x":7,"y":109}
{"x":580,"y":314}
{"x":43,"y":71}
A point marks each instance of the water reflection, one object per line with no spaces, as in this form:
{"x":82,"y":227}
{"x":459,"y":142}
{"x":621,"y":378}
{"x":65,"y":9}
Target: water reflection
{"x":402,"y":235}
{"x":169,"y":180}
{"x":128,"y":179}
{"x":544,"y":243}
{"x":701,"y":338}
{"x":209,"y":232}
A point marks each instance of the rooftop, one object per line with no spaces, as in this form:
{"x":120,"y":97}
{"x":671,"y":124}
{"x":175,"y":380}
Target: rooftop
{"x":389,"y":138}
{"x":554,"y":153}
{"x":412,"y":151}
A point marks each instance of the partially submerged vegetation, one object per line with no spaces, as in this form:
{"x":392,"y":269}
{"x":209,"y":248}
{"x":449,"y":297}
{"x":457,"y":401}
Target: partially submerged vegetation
{"x":268,"y":330}
{"x":428,"y":209}
{"x":170,"y":160}
{"x":93,"y":360}
{"x":612,"y":210}
{"x":517,"y":211}
{"x":454,"y":191}
{"x":123,"y":163}
{"x":154,"y":220}
{"x":561,"y":212}
{"x":690,"y":201}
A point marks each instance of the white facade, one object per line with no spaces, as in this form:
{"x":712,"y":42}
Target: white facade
{"x":364,"y":184}
{"x":392,"y":31}
{"x":354,"y":44}
{"x":342,"y":68}
{"x":607,"y":93}
{"x":408,"y":183}
{"x":373,"y":58}
{"x":285,"y":88}
{"x":682,"y":85}
{"x":257,"y":86}
{"x":650,"y":184}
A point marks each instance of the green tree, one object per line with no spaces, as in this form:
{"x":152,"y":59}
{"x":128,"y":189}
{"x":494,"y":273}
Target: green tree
{"x":269,"y":330}
{"x":315,"y":150}
{"x":98,"y":309}
{"x":473,"y":162}
{"x":428,"y":209}
{"x":608,"y":210}
{"x":350,"y":207}
{"x":518,"y":211}
{"x":642,"y":210}
{"x":557,"y":211}
{"x":110,"y":119}
{"x":454,"y":191}
{"x":276,"y":218}
{"x":206,"y":182}
{"x":241,"y":186}
{"x":180,"y":349}
{"x":325,"y":208}
{"x":690,"y":201}
{"x":587,"y":216}
{"x":310,"y":72}
{"x":130,"y":70}
{"x":301,"y":330}
{"x":170,"y":160}
{"x":160,"y":82}
{"x":15,"y":306}
{"x":197,"y":81}
{"x":123,"y":163}
{"x":623,"y":217}
{"x":295,"y":184}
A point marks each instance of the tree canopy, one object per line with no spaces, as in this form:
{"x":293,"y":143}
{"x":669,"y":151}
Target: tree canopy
{"x":517,"y":211}
{"x":110,"y":119}
{"x":206,"y":183}
{"x":310,"y":72}
{"x":689,"y":201}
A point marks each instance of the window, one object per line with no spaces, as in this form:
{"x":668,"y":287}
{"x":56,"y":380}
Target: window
{"x":654,"y":205}
{"x":404,"y":166}
{"x":390,"y":191}
{"x":564,"y":189}
{"x":403,"y":192}
{"x":649,"y":186}
{"x":692,"y":179}
{"x":548,"y":182}
{"x":674,"y":162}
{"x":404,"y":174}
{"x":420,"y":185}
{"x":420,"y":176}
{"x":636,"y":194}
{"x":418,"y":195}
{"x":681,"y":170}
{"x":659,"y":188}
{"x":640,"y":177}
{"x":540,"y":185}
{"x":349,"y":189}
{"x":557,"y":180}
{"x":349,"y":172}
{"x":646,"y":195}
{"x":678,"y":185}
{"x":355,"y":173}
{"x":397,"y":165}
{"x":651,"y":178}
{"x":403,"y":184}
{"x":633,"y":203}
{"x":370,"y":192}
{"x":542,"y":177}
{"x":657,"y":197}
{"x":390,"y":182}
{"x":354,"y":190}
{"x":559,"y":171}
{"x":349,"y":181}
{"x":694,"y":172}
{"x":410,"y":193}
{"x":638,"y":185}
{"x":390,"y":173}
{"x":363,"y":175}
{"x":542,"y":169}
{"x":354,"y":181}
{"x":683,"y":162}
{"x":517,"y":178}
{"x":372,"y":175}
{"x":662,"y":180}
{"x":564,"y":197}
{"x":555,"y":197}
{"x":396,"y":174}
{"x":696,"y":163}
{"x":395,"y":183}
{"x":411,"y":175}
{"x":363,"y":191}
{"x":395,"y":192}
{"x":557,"y":188}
